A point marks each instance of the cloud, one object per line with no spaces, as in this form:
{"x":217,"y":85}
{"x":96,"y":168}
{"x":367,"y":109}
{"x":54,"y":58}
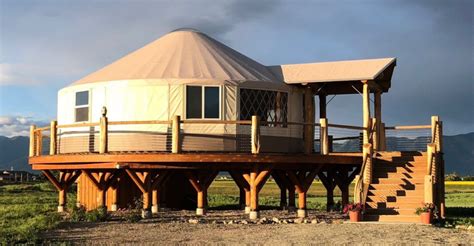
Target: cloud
{"x":11,"y":126}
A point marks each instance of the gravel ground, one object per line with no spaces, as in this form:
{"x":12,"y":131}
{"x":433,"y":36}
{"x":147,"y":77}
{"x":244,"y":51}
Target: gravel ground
{"x":278,"y":228}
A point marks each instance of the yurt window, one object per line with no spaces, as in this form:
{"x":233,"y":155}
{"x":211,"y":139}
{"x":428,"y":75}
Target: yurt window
{"x":203,"y":102}
{"x":82,"y":106}
{"x":271,"y":106}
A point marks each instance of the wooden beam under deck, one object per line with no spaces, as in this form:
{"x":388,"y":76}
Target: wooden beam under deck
{"x":188,"y":161}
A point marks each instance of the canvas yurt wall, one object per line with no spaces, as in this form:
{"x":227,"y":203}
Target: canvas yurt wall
{"x":145,"y":100}
{"x":154,"y":83}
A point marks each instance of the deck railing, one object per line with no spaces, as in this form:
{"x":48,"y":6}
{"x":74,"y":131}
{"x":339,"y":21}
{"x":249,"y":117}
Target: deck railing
{"x":326,"y":137}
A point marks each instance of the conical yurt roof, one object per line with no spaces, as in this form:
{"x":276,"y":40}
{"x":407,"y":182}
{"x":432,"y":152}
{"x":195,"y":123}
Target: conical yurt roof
{"x":185,"y":56}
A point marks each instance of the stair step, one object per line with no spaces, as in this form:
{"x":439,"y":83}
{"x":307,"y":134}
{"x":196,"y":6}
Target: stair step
{"x":397,"y":193}
{"x":393,"y":204}
{"x":412,"y":181}
{"x":398,"y":200}
{"x":390,"y":211}
{"x":399,"y":175}
{"x":393,"y":218}
{"x":407,"y":187}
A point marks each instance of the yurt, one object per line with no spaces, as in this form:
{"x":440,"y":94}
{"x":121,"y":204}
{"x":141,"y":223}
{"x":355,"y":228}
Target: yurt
{"x":189,"y":74}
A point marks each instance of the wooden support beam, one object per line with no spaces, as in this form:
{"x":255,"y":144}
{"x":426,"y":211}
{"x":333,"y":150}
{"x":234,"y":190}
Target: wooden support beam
{"x":366,"y":110}
{"x":244,"y":188}
{"x":52,"y":179}
{"x":102,"y":180}
{"x":322,"y":106}
{"x":309,"y":120}
{"x":277,"y":176}
{"x":343,"y":178}
{"x":328,"y":183}
{"x":378,"y":119}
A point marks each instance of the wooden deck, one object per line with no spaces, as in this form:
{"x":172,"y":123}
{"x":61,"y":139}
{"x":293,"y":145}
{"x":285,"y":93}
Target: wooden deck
{"x":215,"y":161}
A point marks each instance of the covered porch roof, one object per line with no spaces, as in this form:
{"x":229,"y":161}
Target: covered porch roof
{"x":339,"y":77}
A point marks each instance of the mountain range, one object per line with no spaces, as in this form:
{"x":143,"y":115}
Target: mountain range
{"x":458,"y":152}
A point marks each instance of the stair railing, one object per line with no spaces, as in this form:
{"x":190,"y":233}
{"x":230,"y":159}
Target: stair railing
{"x":434,"y":178}
{"x":364,"y":179}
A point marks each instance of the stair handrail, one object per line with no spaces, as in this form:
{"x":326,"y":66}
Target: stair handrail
{"x":432,"y":170}
{"x":364,"y":179}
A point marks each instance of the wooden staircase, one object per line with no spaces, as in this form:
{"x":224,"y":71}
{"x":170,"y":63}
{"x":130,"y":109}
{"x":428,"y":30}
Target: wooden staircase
{"x":397,"y":187}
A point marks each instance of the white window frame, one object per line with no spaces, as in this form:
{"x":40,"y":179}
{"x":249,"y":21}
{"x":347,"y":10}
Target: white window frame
{"x":88,"y":105}
{"x":203,"y":102}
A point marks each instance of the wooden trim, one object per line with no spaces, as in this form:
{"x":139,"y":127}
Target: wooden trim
{"x":413,"y":127}
{"x":346,"y":126}
{"x":78,"y":125}
{"x":143,"y":122}
{"x":176,"y":135}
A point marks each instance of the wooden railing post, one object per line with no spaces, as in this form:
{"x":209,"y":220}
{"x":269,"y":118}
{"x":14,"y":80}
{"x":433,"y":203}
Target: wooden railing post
{"x":39,"y":142}
{"x":53,"y":138}
{"x":323,"y":136}
{"x":367,"y":158}
{"x":103,"y":134}
{"x":176,"y":132}
{"x":32,"y":140}
{"x":428,"y":187}
{"x":255,"y":137}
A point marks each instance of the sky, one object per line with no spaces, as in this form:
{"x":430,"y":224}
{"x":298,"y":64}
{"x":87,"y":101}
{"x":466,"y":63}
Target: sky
{"x":46,"y":45}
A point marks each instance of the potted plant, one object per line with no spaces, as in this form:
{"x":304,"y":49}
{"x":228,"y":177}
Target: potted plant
{"x":354,"y":210}
{"x":426,"y":212}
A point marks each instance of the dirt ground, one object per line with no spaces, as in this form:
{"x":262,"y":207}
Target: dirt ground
{"x":275,"y":228}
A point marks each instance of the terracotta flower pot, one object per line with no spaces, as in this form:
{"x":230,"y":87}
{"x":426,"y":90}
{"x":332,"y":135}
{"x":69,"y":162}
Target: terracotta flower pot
{"x":354,"y":216}
{"x":426,"y":218}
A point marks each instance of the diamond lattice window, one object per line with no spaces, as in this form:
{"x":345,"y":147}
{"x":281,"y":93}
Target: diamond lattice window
{"x":271,"y":106}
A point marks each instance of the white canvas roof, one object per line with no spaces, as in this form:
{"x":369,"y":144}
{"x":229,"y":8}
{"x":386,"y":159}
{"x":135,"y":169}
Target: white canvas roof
{"x":331,"y":71}
{"x":185,"y":56}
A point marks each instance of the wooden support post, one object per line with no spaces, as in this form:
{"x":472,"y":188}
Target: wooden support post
{"x":78,"y":194}
{"x":277,"y":176}
{"x":324,"y":139}
{"x":378,"y":119}
{"x":244,"y":187}
{"x":103,"y":141}
{"x":302,"y":181}
{"x":201,"y":182}
{"x":176,"y":135}
{"x":65,"y":180}
{"x":328,"y":183}
{"x":322,"y":106}
{"x":343,"y":179}
{"x":62,"y":200}
{"x":253,"y":193}
{"x":291,"y":198}
{"x":382,"y":139}
{"x":32,"y":141}
{"x":366,"y":110}
{"x":256,"y":181}
{"x":114,"y":196}
{"x":102,"y":180}
{"x":255,"y":138}
{"x":309,"y":121}
{"x":53,"y":138}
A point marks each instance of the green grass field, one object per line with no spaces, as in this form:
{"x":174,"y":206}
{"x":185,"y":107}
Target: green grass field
{"x":27,"y":209}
